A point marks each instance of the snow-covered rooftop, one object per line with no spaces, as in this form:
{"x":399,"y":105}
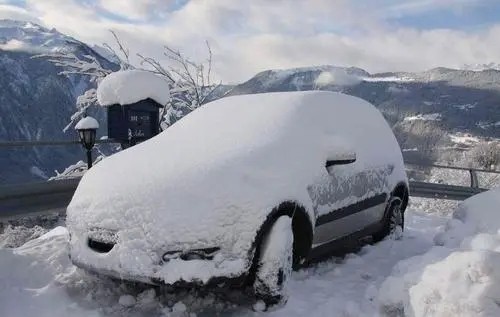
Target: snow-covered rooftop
{"x":130,"y":86}
{"x":87,"y":123}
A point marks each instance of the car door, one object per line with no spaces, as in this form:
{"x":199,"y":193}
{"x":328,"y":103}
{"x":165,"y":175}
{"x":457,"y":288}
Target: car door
{"x":348,"y":199}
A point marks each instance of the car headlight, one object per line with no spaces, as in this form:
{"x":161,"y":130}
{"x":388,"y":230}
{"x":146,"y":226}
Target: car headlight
{"x":189,"y":255}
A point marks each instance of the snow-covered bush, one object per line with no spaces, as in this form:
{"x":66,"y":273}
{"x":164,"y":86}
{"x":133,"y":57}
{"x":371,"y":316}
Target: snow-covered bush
{"x":485,"y":155}
{"x":190,"y":82}
{"x":425,"y":135}
{"x":460,"y":276}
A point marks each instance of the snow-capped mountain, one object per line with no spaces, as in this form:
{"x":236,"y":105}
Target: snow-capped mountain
{"x":481,"y":67}
{"x":30,"y":37}
{"x":425,"y":109}
{"x":35,"y":101}
{"x":464,"y":100}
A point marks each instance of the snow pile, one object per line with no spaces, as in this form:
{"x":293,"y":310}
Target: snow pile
{"x":338,"y":77}
{"x":478,"y":214}
{"x":130,"y":86}
{"x":458,"y":277}
{"x":213,"y":177}
{"x":87,"y":123}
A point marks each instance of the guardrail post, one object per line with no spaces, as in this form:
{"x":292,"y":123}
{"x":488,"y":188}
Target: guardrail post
{"x":474,"y":183}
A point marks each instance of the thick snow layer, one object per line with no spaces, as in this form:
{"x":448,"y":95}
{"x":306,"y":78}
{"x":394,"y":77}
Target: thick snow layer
{"x":212,"y":178}
{"x":87,"y":123}
{"x":478,"y":214}
{"x":458,"y":277}
{"x":130,"y":86}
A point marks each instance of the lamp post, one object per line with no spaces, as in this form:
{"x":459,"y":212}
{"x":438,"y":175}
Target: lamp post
{"x":87,"y":128}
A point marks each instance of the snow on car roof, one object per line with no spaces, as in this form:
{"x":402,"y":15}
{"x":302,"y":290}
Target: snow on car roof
{"x":130,"y":86}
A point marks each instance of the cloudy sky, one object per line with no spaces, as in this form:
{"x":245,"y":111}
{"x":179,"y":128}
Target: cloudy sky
{"x":250,"y":36}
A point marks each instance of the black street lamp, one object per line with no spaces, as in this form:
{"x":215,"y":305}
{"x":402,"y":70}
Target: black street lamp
{"x":87,"y":128}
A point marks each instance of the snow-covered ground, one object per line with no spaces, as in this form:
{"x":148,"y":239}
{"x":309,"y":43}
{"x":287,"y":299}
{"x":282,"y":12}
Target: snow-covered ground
{"x":40,"y":276}
{"x":447,"y":264}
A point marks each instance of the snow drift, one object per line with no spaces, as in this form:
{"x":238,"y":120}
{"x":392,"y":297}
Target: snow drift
{"x":458,"y":277}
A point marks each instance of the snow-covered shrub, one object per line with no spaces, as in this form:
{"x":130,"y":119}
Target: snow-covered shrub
{"x":425,"y":135}
{"x":190,"y":82}
{"x":485,"y":155}
{"x":15,"y":236}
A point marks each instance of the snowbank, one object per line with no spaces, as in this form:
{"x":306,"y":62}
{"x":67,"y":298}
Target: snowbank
{"x":39,"y":280}
{"x":478,"y":214}
{"x":87,"y":123}
{"x":458,"y":277}
{"x":130,"y":86}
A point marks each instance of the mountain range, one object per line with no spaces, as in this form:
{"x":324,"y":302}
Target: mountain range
{"x":36,"y":102}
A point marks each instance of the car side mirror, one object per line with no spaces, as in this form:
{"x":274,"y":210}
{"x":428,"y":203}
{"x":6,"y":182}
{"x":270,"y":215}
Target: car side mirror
{"x":341,"y":159}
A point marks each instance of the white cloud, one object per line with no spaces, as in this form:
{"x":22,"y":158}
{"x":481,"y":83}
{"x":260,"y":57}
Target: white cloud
{"x":337,"y":77}
{"x":251,"y":36}
{"x":417,"y":7}
{"x":136,"y":10}
{"x":16,"y":13}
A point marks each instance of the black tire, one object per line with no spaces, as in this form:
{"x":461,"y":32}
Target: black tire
{"x":275,"y":264}
{"x":393,"y":221}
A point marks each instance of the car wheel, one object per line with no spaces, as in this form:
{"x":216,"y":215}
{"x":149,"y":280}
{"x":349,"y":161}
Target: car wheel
{"x":275,"y":264}
{"x":393,"y":222}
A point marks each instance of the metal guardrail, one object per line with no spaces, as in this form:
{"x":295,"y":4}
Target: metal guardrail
{"x":8,"y":144}
{"x":474,"y":181}
{"x":36,"y":198}
{"x":54,"y":196}
{"x":442,"y":191}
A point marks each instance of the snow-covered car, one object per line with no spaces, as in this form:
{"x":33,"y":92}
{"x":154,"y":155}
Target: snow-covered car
{"x":240,"y":191}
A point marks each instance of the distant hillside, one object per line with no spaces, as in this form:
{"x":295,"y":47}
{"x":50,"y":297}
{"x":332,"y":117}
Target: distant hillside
{"x":439,"y":103}
{"x":436,"y":109}
{"x":35,"y":102}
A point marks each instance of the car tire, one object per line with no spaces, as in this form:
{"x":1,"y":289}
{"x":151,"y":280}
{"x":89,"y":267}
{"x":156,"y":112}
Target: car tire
{"x":393,"y":225}
{"x":275,"y":264}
